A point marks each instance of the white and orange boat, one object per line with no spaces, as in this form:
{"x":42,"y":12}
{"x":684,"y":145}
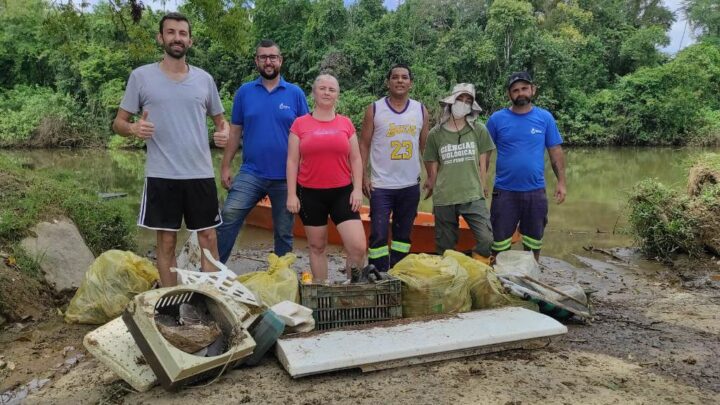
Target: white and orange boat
{"x":423,"y":232}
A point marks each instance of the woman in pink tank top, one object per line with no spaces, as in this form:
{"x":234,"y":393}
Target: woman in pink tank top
{"x":324,"y":175}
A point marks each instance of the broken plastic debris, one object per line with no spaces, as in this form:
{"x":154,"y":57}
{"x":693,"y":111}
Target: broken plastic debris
{"x":295,"y":316}
{"x":224,"y":280}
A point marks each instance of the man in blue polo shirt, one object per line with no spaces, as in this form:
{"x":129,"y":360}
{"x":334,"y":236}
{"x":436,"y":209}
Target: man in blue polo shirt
{"x":263,"y":111}
{"x":521,"y":134}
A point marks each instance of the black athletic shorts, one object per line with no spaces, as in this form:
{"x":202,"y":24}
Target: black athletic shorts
{"x":165,"y":202}
{"x":317,"y":203}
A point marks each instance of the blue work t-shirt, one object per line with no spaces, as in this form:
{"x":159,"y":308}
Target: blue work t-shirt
{"x":266,"y":118}
{"x":521,"y":140}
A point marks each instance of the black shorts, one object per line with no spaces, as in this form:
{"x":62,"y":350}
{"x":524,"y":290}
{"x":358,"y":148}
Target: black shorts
{"x":165,"y":202}
{"x":317,"y":203}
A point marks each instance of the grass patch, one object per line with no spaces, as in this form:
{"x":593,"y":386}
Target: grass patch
{"x":26,"y":263}
{"x":104,"y":225}
{"x":661,"y":221}
{"x":30,"y":196}
{"x":704,"y":172}
{"x":706,"y":209}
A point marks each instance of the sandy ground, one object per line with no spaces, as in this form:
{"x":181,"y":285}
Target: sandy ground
{"x":655,"y":339}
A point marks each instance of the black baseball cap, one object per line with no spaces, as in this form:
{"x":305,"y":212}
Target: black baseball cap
{"x":517,"y":77}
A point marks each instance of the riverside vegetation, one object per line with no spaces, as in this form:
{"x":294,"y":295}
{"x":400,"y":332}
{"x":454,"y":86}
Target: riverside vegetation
{"x":30,"y":196}
{"x":596,"y":62}
{"x":666,"y":221}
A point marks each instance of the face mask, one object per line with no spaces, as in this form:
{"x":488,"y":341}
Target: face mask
{"x":460,"y":109}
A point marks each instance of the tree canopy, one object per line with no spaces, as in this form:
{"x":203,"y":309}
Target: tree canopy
{"x":596,"y":62}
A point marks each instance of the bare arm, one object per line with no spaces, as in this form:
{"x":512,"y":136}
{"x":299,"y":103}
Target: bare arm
{"x":431,"y":168}
{"x":366,"y":134}
{"x":424,"y":131}
{"x":557,"y":160}
{"x":484,"y":163}
{"x":231,"y":148}
{"x":357,"y":173}
{"x":123,"y":125}
{"x":293,"y":161}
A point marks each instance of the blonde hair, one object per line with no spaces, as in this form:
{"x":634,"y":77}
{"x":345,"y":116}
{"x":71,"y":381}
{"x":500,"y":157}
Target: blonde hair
{"x":325,"y":76}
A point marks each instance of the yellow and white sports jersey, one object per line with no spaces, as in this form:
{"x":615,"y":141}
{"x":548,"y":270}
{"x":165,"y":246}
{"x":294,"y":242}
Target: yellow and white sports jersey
{"x":395,"y":149}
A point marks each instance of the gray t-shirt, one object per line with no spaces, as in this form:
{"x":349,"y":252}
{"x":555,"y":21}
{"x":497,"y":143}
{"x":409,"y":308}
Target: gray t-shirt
{"x":179,"y":148}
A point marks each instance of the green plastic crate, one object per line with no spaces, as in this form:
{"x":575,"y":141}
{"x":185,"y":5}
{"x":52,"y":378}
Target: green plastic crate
{"x":335,"y":306}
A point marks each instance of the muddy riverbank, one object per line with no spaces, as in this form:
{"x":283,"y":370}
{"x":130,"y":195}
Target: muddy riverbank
{"x":655,"y":338}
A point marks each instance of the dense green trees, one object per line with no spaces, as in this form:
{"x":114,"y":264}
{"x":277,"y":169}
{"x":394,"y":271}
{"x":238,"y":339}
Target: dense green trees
{"x":705,"y":15}
{"x":596,"y":62}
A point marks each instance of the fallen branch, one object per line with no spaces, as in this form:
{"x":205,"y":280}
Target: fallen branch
{"x":605,"y":252}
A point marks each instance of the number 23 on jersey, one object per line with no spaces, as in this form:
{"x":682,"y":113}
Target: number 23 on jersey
{"x":401,"y":150}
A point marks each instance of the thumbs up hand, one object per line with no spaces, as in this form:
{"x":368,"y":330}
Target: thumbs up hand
{"x":143,"y":128}
{"x":221,"y":135}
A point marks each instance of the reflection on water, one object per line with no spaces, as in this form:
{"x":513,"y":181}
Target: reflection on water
{"x":594,"y":213}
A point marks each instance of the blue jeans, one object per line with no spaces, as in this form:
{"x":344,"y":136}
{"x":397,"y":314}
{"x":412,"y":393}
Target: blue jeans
{"x":401,"y":205}
{"x":246,"y":191}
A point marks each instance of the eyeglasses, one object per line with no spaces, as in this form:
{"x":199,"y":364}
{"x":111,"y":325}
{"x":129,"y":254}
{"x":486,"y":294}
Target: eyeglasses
{"x":271,"y":58}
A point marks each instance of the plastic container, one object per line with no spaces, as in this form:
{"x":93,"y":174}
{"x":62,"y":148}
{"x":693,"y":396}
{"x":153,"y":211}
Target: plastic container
{"x":266,"y":330}
{"x":335,"y":306}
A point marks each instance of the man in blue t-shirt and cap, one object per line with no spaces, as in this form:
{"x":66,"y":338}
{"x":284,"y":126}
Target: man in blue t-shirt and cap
{"x":263,"y":111}
{"x":521,"y":134}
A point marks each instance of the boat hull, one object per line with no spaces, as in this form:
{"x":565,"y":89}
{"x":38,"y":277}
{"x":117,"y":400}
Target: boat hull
{"x":423,"y":232}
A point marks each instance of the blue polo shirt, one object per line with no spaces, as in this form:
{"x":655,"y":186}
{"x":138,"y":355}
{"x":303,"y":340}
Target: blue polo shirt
{"x":266,"y":118}
{"x":521,"y":140}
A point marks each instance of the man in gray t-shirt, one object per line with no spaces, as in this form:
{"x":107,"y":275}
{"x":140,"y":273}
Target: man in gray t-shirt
{"x":175,"y":99}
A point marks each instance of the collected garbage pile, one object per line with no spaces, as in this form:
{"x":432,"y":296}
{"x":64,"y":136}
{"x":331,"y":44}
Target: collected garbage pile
{"x":109,"y":285}
{"x":216,"y":321}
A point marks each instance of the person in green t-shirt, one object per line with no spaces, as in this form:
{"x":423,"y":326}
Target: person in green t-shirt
{"x":455,"y":158}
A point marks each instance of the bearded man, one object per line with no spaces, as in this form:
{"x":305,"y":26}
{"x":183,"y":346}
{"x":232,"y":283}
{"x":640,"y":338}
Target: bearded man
{"x":263,"y":111}
{"x":172,"y":100}
{"x":521,"y":135}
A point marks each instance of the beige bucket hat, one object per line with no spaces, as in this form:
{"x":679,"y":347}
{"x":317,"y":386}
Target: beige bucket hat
{"x":458,"y":89}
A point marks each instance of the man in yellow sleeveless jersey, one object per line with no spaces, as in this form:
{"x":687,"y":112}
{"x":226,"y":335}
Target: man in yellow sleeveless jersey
{"x":393,"y":136}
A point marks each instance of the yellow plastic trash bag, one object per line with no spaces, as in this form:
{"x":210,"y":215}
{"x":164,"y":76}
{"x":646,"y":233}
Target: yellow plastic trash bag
{"x":485,"y":288}
{"x":111,"y":281}
{"x":432,"y":285}
{"x":279,"y":283}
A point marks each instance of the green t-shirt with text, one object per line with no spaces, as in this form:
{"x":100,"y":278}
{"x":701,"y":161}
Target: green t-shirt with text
{"x":458,"y":155}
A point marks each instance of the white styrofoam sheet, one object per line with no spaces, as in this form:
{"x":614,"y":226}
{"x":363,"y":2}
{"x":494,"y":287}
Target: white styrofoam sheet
{"x":343,"y":349}
{"x":113,"y":345}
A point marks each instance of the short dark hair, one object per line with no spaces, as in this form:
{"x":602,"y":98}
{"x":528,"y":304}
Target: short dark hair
{"x":177,"y":17}
{"x":399,"y":66}
{"x":267,"y":43}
